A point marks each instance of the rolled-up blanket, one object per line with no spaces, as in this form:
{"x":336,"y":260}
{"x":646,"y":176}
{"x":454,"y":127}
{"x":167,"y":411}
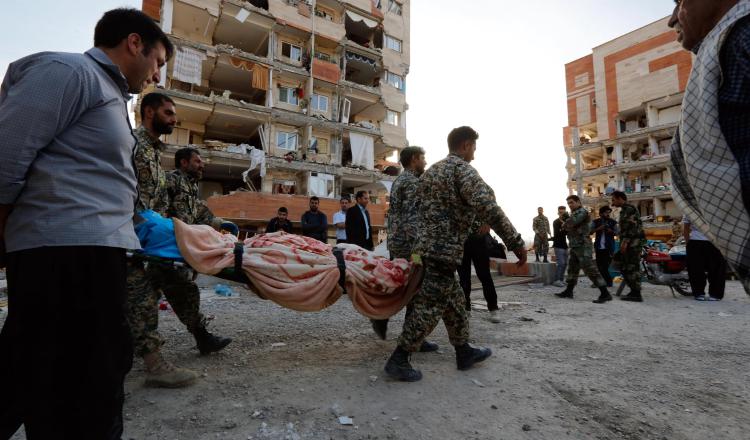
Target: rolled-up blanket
{"x":301,"y":273}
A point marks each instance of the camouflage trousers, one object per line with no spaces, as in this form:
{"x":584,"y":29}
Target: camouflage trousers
{"x":630,"y":266}
{"x":440,"y":297}
{"x":541,"y":244}
{"x":146,"y":283}
{"x":581,"y":258}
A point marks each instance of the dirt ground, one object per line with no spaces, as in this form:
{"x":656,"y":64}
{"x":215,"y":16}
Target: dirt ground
{"x":669,"y":368}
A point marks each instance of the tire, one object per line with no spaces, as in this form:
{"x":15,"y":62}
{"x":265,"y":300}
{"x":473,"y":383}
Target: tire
{"x":683,"y":287}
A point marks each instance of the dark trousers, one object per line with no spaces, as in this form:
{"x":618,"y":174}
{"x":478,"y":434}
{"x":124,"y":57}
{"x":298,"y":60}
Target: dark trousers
{"x":65,"y":346}
{"x":705,"y":262}
{"x":603,"y":260}
{"x":476,"y":252}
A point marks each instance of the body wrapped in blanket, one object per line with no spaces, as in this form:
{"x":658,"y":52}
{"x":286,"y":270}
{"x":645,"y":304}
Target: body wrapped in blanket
{"x":295,"y":272}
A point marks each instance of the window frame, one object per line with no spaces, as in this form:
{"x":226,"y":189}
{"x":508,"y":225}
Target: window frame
{"x":288,"y":135}
{"x":389,"y":39}
{"x":316,"y":97}
{"x":398,"y":9}
{"x":291,"y":46}
{"x":400,"y":79}
{"x":291,"y":96}
{"x":397,"y":117}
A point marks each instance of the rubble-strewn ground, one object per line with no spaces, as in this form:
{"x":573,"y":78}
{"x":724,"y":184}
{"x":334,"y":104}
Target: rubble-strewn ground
{"x":670,"y":368}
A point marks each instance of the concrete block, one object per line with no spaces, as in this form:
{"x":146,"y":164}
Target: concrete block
{"x":541,"y":272}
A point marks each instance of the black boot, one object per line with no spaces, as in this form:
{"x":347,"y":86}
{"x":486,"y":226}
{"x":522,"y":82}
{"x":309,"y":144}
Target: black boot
{"x":428,"y":347}
{"x":633,"y":296}
{"x":537,"y":258}
{"x":567,"y":293}
{"x":545,"y":259}
{"x":467,"y":356}
{"x":208,"y":343}
{"x":604,"y":296}
{"x":399,"y":368}
{"x":380,"y":327}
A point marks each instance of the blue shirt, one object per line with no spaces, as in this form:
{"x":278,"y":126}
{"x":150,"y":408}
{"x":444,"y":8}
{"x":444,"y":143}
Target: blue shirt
{"x":734,"y":99}
{"x":367,"y":224}
{"x":66,"y":150}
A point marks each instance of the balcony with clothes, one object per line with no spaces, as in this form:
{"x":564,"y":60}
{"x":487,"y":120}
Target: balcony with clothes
{"x":607,"y":157}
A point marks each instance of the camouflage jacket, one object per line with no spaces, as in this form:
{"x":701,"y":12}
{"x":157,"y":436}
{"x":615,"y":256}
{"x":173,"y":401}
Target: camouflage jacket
{"x":403,"y":214}
{"x":152,"y":180}
{"x":453,"y":195}
{"x":185,"y":203}
{"x":631,"y":228}
{"x":541,"y":226}
{"x":578,"y":228}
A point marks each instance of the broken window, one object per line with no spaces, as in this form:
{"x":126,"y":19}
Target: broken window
{"x":321,"y":185}
{"x":288,"y":95}
{"x":394,"y":7}
{"x":396,"y":81}
{"x":393,"y":118}
{"x":284,"y":187}
{"x":325,"y":13}
{"x":392,"y":43}
{"x":319,"y":145}
{"x":286,"y":140}
{"x":291,"y":51}
{"x":319,"y":103}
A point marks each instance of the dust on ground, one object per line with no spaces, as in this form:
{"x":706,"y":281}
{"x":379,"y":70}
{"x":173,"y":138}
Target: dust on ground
{"x":669,"y":368}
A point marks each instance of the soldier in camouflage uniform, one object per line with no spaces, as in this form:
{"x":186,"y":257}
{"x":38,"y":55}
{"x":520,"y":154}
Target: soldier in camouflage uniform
{"x":403,"y":213}
{"x":632,"y":240}
{"x":541,"y":235}
{"x":182,"y":186}
{"x":147,"y":281}
{"x":581,"y":252}
{"x":452,"y":194}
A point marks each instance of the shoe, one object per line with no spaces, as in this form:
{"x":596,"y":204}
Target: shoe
{"x":495,"y":317}
{"x":428,"y":347}
{"x":604,"y":296}
{"x":567,"y":293}
{"x":558,"y":283}
{"x":545,"y":260}
{"x":467,"y":356}
{"x":701,"y":297}
{"x":399,"y":368}
{"x":208,"y":343}
{"x":633,"y":296}
{"x":713,"y":298}
{"x":380,"y":327}
{"x":166,"y":375}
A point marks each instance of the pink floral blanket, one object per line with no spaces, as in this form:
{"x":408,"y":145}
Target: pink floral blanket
{"x":301,"y":273}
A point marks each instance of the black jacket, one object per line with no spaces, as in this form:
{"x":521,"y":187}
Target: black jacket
{"x":355,"y":228}
{"x":558,"y":237}
{"x":315,"y":225}
{"x":274,"y":226}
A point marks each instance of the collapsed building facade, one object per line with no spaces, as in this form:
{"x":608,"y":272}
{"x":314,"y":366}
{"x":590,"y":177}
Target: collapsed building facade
{"x":624,"y":102}
{"x":288,"y":99}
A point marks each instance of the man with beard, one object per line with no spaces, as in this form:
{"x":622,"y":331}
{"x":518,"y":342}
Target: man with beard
{"x":146,"y":282}
{"x":67,"y":193}
{"x":714,"y":190}
{"x":403,"y":214}
{"x":315,"y":222}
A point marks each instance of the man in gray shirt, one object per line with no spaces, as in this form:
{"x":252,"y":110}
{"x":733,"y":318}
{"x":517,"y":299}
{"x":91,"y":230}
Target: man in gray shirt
{"x":67,"y":194}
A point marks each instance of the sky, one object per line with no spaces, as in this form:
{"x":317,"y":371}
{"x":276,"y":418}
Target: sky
{"x":496,"y":65}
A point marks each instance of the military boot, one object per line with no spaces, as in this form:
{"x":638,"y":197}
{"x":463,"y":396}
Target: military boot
{"x":208,"y":343}
{"x":604,"y":296}
{"x":467,"y":356}
{"x":567,"y":293}
{"x":162,"y":374}
{"x":399,"y":368}
{"x":428,"y":347}
{"x":633,"y":296}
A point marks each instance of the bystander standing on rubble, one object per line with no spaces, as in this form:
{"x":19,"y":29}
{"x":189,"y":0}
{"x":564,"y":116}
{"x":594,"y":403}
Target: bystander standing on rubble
{"x":339,"y":219}
{"x":541,"y":235}
{"x":315,"y":222}
{"x":67,"y":195}
{"x":358,"y":223}
{"x":452,"y":194}
{"x":714,"y":190}
{"x":560,"y":245}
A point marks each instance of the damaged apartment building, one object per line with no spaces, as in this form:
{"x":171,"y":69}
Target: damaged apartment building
{"x":288,"y":99}
{"x":624,"y":104}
